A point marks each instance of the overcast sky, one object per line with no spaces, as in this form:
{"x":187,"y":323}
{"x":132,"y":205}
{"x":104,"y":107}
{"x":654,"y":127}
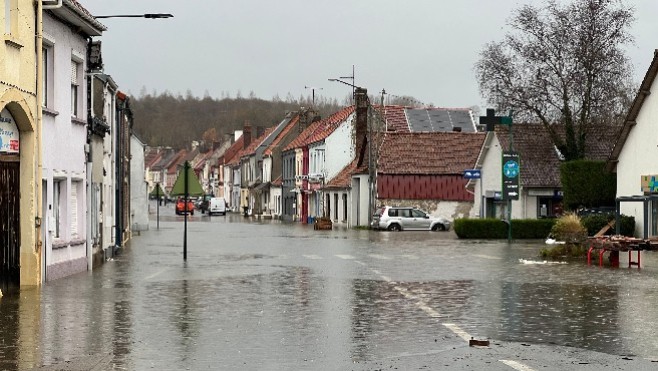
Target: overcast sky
{"x":420,"y":48}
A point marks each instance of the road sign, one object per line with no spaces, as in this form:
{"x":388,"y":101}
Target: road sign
{"x":511,"y":169}
{"x":472,"y":174}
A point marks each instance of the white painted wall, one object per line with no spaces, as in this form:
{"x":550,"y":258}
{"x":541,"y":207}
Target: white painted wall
{"x":491,"y":179}
{"x":138,"y":187}
{"x":637,"y":158}
{"x":339,"y":148}
{"x":64,"y":139}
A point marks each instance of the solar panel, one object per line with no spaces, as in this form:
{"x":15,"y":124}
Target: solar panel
{"x":438,"y":120}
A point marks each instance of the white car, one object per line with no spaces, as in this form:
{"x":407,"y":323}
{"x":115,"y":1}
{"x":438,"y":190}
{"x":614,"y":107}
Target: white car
{"x":398,"y":218}
{"x":217,"y":205}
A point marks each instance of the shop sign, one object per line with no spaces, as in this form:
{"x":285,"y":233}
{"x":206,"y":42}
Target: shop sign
{"x":9,"y":135}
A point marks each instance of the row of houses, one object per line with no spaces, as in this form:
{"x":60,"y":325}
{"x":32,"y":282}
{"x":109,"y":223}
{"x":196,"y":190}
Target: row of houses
{"x":72,"y":185}
{"x":346,"y":165}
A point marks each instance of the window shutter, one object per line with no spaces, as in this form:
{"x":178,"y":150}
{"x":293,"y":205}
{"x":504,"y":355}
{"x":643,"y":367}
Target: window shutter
{"x":74,"y":209}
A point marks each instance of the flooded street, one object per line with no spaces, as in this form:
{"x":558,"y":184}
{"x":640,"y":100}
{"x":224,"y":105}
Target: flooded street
{"x":273,"y":296}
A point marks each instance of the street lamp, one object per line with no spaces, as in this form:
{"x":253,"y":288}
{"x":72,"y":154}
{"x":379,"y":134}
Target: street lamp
{"x":147,"y":15}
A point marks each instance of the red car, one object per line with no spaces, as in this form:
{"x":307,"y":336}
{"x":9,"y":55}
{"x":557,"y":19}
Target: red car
{"x":181,"y":209}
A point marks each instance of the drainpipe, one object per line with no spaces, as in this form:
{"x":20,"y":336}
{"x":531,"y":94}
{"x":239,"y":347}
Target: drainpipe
{"x":88,"y":153}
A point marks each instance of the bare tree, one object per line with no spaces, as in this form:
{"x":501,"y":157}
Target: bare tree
{"x":563,"y":64}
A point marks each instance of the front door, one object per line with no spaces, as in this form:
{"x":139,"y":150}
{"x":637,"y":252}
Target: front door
{"x":9,"y":222}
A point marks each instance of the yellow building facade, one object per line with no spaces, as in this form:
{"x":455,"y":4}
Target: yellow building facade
{"x":19,"y":143}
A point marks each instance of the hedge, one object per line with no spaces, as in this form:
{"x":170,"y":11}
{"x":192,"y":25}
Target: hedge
{"x":497,"y":229}
{"x":587,"y":183}
{"x":594,"y":223}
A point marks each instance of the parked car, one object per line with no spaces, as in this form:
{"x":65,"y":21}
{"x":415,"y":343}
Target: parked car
{"x":204,"y":202}
{"x":183,"y":208}
{"x":217,"y":205}
{"x":394,"y":218}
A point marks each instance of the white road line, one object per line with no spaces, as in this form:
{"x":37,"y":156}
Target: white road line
{"x":380,"y":257}
{"x":346,"y":257}
{"x":154,"y":274}
{"x":427,"y":309}
{"x":487,"y":257}
{"x":360,"y":263}
{"x":458,"y":331}
{"x":516,"y":365}
{"x":312,"y":257}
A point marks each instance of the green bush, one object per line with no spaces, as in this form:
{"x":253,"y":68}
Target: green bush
{"x":595,"y":222}
{"x":587,"y":183}
{"x":497,"y":229}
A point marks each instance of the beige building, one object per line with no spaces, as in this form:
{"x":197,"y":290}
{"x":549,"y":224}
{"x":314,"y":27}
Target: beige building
{"x":20,"y":163}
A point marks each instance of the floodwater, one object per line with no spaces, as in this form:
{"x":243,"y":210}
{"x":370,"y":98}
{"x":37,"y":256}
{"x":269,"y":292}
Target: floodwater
{"x":269,"y":295}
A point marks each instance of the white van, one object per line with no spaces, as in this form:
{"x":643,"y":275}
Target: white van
{"x":217,"y":206}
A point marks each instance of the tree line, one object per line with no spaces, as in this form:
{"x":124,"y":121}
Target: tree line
{"x":174,"y":120}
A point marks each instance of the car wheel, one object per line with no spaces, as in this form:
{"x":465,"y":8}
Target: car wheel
{"x":394,"y":228}
{"x":438,"y":227}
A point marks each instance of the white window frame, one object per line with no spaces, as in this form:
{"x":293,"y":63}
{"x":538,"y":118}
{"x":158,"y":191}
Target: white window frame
{"x":76,"y":75}
{"x":57,"y":201}
{"x":74,"y":204}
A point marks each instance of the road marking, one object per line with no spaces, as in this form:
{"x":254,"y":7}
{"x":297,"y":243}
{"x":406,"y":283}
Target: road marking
{"x":346,"y":257}
{"x":458,"y":331}
{"x":312,"y":257}
{"x":488,"y":257}
{"x":516,"y":365}
{"x":427,"y":309}
{"x":380,"y":257}
{"x":154,"y":274}
{"x":360,"y":263}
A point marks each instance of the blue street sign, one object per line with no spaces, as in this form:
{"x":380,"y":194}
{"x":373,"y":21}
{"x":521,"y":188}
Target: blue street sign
{"x":472,"y":174}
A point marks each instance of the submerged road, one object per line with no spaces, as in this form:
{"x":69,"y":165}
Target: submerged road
{"x":264,"y":295}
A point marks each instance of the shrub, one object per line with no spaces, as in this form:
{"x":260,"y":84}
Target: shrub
{"x":587,"y":183}
{"x":497,"y":229}
{"x":594,"y":223}
{"x":568,"y":228}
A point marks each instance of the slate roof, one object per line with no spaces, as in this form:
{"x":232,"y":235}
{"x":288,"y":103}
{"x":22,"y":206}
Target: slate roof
{"x":540,"y":160}
{"x":634,"y":111}
{"x":432,"y":153}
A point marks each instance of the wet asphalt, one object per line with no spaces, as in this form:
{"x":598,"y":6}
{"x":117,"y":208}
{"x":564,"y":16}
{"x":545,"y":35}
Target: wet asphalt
{"x":266,"y":295}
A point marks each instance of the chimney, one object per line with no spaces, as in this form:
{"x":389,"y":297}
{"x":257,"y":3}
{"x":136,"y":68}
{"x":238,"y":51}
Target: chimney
{"x":361,"y":99}
{"x":247,"y":134}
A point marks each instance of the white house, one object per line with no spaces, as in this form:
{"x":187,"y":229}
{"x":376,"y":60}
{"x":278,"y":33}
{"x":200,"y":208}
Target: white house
{"x":65,"y":175}
{"x":139,"y":218}
{"x":634,"y":158}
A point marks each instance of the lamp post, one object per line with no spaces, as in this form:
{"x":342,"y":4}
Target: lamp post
{"x":94,"y":67}
{"x":147,"y":15}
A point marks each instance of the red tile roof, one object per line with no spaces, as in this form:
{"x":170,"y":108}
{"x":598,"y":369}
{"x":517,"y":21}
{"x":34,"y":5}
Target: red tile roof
{"x":251,"y":149}
{"x":282,"y":134}
{"x":429,"y":152}
{"x":297,"y":142}
{"x":320,"y":130}
{"x":344,"y":177}
{"x":233,"y":150}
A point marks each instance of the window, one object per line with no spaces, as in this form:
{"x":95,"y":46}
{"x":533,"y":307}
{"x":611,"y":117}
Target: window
{"x":56,"y":206}
{"x":417,"y":214}
{"x":335,"y":206}
{"x":344,"y":207}
{"x":47,"y":75}
{"x":75,"y":101}
{"x":75,"y":188}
